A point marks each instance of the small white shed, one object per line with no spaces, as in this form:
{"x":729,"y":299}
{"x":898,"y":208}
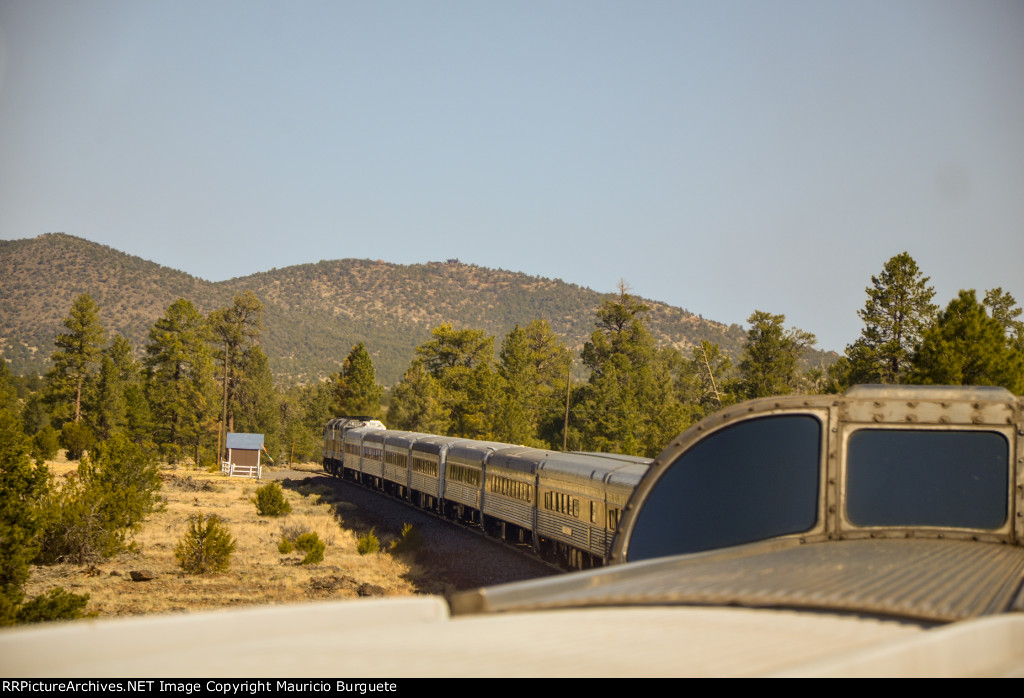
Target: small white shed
{"x":243,"y":459}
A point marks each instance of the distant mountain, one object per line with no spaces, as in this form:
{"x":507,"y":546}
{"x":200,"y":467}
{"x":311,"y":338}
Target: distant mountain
{"x":314,"y":313}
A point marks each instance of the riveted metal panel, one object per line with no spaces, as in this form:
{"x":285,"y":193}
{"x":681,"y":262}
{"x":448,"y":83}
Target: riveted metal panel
{"x":918,"y":408}
{"x":816,"y":406}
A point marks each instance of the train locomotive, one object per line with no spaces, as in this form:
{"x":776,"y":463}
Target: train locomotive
{"x":565,"y":506}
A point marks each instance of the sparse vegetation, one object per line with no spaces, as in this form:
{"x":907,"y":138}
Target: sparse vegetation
{"x":311,"y":309}
{"x":92,"y":515}
{"x":270,"y":501}
{"x":56,"y":604}
{"x":368,"y":544}
{"x":306,"y":541}
{"x":311,"y":544}
{"x":206,"y":547}
{"x":409,"y":542}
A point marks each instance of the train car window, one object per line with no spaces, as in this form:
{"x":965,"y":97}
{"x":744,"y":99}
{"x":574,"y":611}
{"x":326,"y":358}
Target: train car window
{"x":897,"y":477}
{"x":753,"y":480}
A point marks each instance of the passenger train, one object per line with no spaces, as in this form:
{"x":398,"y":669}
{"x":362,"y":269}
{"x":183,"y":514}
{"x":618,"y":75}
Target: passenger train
{"x":566,"y":506}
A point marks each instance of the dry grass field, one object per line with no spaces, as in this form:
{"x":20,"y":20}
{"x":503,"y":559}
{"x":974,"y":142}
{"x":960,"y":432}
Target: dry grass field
{"x":259,"y":574}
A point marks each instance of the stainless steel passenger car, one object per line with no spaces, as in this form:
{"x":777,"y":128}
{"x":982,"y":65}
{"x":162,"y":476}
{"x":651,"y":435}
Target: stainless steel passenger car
{"x":334,"y":445}
{"x":497,"y":486}
{"x":397,"y":452}
{"x":509,"y":498}
{"x":580,"y":497}
{"x":429,"y":456}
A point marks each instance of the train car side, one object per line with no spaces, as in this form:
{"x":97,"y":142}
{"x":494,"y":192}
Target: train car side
{"x":565,"y":506}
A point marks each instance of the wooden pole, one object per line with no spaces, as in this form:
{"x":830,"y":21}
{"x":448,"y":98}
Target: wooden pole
{"x":568,"y":384}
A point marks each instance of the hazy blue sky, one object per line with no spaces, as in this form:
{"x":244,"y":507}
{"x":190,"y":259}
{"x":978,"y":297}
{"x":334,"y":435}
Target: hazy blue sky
{"x":720,"y":156}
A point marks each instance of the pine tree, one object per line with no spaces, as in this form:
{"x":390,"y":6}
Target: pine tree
{"x":356,"y":389}
{"x":629,"y":404}
{"x":235,"y":329}
{"x":896,"y":314}
{"x":76,"y":358}
{"x":417,"y":402}
{"x":22,"y":486}
{"x":255,"y":404}
{"x":1003,"y":309}
{"x":455,"y":349}
{"x":771,"y":356}
{"x":704,"y":380}
{"x":179,"y":378}
{"x":967,"y":347}
{"x":532,"y":370}
{"x":621,"y":330}
{"x":461,"y":364}
{"x":109,"y":402}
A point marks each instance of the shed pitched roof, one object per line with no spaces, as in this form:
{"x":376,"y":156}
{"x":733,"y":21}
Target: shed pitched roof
{"x":251,"y":442}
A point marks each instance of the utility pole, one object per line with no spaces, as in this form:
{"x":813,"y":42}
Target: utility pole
{"x":568,"y":384}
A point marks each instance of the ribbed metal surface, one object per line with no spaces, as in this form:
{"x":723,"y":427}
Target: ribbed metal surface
{"x":508,"y":509}
{"x":396,"y":473}
{"x":554,"y":526}
{"x":463,"y":494}
{"x":938,"y":580}
{"x":426,"y":484}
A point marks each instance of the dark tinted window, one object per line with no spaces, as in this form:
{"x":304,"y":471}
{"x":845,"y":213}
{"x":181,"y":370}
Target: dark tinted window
{"x":927,"y":478}
{"x":754,"y":480}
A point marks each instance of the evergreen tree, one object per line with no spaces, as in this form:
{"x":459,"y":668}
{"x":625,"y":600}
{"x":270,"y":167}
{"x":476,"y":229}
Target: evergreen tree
{"x":92,"y":515}
{"x":896,"y":314}
{"x":356,"y":389}
{"x":455,"y":349}
{"x":22,"y":486}
{"x":967,"y":347}
{"x":629,"y":404}
{"x":235,"y":329}
{"x":255,"y":403}
{"x":473,"y":402}
{"x":76,"y":358}
{"x":532,"y":371}
{"x":304,"y":410}
{"x":771,"y":356}
{"x":704,"y":381}
{"x":621,"y":331}
{"x":1003,"y":309}
{"x":179,"y":378}
{"x":417,"y":402}
{"x":460,"y":362}
{"x":109,"y":400}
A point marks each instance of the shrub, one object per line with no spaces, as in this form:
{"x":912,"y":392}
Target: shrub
{"x":311,"y":544}
{"x":206,"y":547}
{"x":270,"y":501}
{"x":45,"y":444}
{"x":368,"y":544}
{"x":56,"y":604}
{"x":23,"y":485}
{"x":76,"y":438}
{"x":93,"y":515}
{"x":410,"y":541}
{"x":285,"y":546}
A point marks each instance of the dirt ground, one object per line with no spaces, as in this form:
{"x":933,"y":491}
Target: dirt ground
{"x":147,"y":579}
{"x":259,"y":574}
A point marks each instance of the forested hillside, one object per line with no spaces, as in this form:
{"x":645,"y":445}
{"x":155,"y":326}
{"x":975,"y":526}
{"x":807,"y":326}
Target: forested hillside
{"x":314,"y":313}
